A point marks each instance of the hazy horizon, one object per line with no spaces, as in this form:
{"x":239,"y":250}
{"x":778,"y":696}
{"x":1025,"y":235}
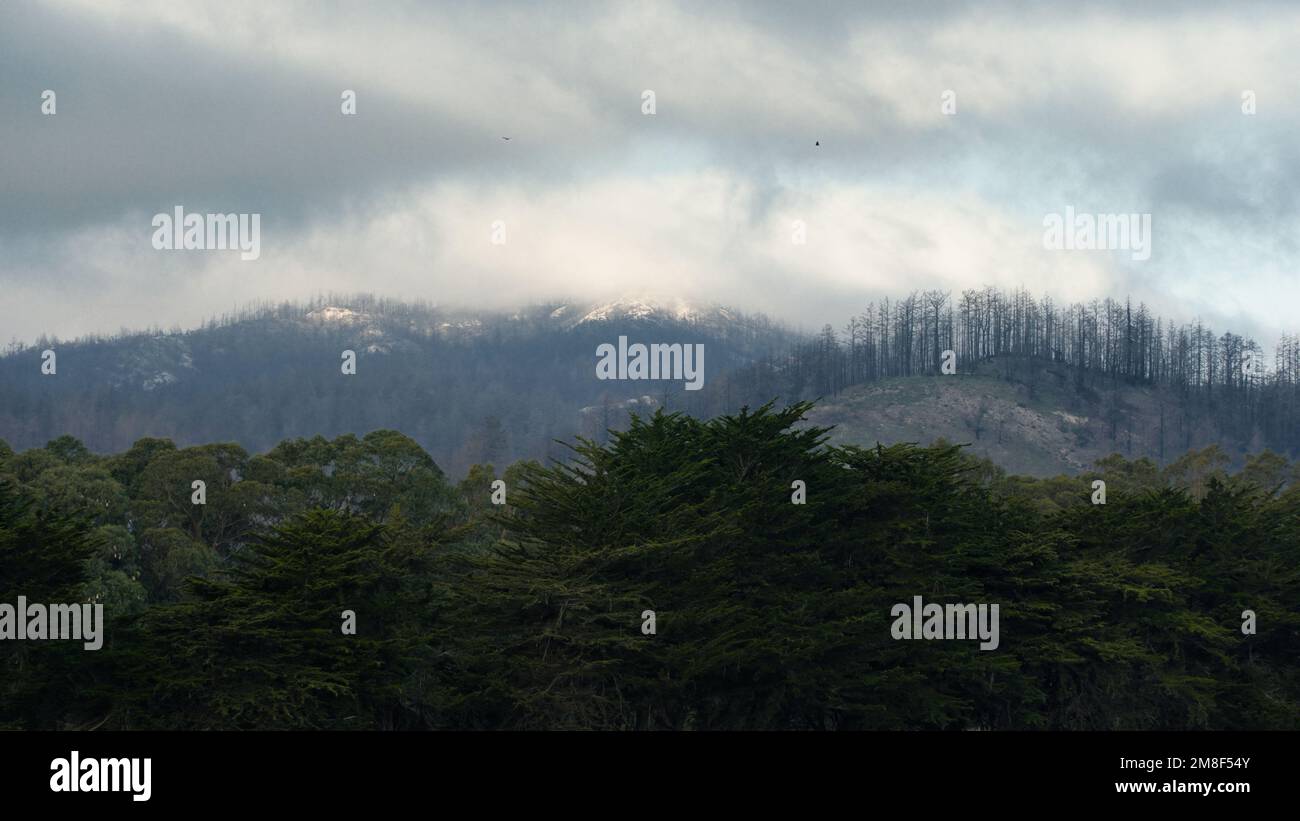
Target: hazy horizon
{"x":667,"y":303}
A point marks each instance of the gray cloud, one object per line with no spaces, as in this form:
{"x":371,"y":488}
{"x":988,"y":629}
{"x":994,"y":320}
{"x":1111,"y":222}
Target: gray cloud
{"x":1104,"y":109}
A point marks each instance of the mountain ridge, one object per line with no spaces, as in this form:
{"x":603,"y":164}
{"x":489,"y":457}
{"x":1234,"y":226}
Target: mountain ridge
{"x":469,"y":386}
{"x":1032,"y":391}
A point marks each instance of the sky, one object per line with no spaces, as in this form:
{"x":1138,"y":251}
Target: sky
{"x":908,"y":145}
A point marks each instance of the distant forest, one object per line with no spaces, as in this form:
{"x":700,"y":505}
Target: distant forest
{"x":470,"y":387}
{"x":475,"y":387}
{"x":529,"y":614}
{"x":1225,"y":382}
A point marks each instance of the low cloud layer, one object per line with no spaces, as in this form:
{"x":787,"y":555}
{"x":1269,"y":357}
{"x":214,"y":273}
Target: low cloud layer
{"x":235,"y":108}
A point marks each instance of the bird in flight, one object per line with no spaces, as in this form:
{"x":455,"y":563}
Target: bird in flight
{"x":505,"y":138}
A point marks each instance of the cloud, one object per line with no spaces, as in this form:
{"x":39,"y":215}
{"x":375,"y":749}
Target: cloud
{"x":236,"y":109}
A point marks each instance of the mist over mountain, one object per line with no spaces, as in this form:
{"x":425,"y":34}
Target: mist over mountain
{"x":1037,"y":388}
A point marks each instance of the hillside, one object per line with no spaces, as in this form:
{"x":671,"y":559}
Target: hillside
{"x":469,"y":386}
{"x":1048,"y":427}
{"x":1040,"y":390}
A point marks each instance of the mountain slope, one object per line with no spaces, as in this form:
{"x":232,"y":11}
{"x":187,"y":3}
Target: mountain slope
{"x":495,"y":387}
{"x":470,"y":386}
{"x":1043,"y":427}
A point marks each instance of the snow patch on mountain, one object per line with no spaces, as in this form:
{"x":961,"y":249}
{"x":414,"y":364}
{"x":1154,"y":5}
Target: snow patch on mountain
{"x":622,"y":309}
{"x":642,"y":309}
{"x":331,"y":313}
